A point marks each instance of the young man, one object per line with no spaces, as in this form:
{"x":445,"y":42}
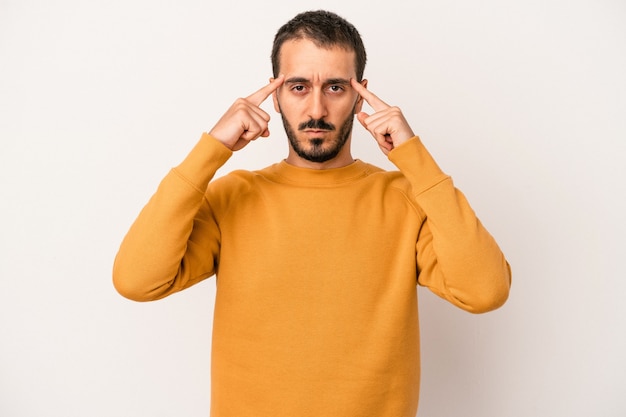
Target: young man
{"x":316,"y":257}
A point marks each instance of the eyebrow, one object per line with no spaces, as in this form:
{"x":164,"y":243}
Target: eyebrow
{"x":298,"y":80}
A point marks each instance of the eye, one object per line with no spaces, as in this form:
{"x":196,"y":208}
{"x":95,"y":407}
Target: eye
{"x":336,"y":88}
{"x":298,"y":89}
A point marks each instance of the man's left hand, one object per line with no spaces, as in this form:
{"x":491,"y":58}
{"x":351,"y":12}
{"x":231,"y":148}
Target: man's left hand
{"x":387,"y":124}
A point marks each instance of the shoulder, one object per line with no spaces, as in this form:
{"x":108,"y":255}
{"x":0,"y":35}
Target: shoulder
{"x":393,"y":185}
{"x":235,"y":185}
{"x":222,"y":191}
{"x":237,"y":181}
{"x":392,"y":179}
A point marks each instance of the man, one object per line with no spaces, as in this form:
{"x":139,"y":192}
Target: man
{"x":316,"y":257}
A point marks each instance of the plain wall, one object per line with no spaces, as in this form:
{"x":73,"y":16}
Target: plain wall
{"x":522,"y":102}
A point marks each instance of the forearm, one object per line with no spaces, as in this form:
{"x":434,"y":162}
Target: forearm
{"x":463,"y":262}
{"x":169,"y":245}
{"x":457,"y":257}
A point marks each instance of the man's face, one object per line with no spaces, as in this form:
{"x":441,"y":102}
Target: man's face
{"x":316,"y":100}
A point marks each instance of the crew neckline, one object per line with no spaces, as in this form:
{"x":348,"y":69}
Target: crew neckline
{"x":287,"y":173}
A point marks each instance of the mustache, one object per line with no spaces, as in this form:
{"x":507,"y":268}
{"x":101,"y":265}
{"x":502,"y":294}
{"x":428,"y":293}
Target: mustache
{"x":316,"y":124}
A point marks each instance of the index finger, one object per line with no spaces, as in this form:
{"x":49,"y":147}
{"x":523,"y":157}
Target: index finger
{"x":261,"y":95}
{"x":376,"y":103}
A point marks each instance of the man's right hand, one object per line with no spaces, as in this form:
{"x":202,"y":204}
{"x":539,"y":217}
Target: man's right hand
{"x":245,"y":120}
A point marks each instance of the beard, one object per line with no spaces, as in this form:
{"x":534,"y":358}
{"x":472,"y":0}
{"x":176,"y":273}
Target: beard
{"x":319,"y":149}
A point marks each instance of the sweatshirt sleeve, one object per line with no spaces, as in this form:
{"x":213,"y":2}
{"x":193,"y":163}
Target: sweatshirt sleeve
{"x":457,"y":258}
{"x":174,"y":242}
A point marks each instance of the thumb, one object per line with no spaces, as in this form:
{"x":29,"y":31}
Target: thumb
{"x":362,"y":116}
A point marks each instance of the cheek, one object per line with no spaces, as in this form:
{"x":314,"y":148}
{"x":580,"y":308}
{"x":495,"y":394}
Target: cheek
{"x":345,"y":109}
{"x":283,"y":103}
{"x":291,"y":109}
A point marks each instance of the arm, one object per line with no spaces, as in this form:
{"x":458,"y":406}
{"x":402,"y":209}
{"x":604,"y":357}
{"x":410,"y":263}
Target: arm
{"x":174,"y":242}
{"x":456,"y":257}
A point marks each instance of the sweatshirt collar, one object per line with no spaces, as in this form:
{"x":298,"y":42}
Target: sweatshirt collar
{"x":286,"y":173}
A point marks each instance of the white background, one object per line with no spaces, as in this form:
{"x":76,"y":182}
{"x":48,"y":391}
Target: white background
{"x":522,"y":102}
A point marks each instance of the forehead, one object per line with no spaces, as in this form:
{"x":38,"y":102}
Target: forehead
{"x":302,"y":57}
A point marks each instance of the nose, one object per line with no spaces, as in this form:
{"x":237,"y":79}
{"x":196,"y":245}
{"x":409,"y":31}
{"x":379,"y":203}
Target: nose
{"x":317,"y":105}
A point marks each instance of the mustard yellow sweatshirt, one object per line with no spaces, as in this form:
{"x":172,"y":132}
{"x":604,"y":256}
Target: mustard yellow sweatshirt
{"x":316,"y":307}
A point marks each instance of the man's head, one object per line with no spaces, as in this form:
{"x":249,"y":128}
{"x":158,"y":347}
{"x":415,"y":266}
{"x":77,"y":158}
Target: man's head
{"x":318,"y":53}
{"x":326,"y":30}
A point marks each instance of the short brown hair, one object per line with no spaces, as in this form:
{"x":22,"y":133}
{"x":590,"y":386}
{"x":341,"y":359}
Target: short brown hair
{"x":325,"y":29}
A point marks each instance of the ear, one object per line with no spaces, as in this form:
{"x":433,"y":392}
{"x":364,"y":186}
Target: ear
{"x":275,"y":98}
{"x":359,"y":102}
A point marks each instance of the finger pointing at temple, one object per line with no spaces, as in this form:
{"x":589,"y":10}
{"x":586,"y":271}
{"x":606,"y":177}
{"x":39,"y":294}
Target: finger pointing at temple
{"x":371,"y":99}
{"x":262,"y":94}
{"x":387,"y":124}
{"x":245,"y":121}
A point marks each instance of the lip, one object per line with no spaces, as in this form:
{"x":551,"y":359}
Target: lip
{"x":316,"y":131}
